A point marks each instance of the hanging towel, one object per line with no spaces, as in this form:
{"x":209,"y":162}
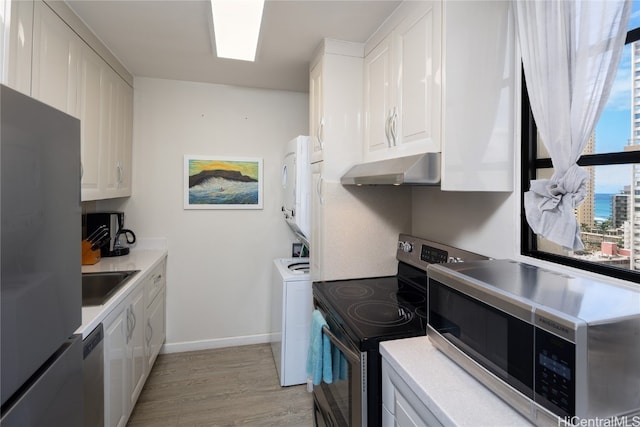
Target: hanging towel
{"x":339,"y":364}
{"x":319,"y":354}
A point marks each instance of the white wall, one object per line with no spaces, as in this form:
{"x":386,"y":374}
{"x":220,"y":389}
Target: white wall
{"x":219,"y":265}
{"x":480,"y":222}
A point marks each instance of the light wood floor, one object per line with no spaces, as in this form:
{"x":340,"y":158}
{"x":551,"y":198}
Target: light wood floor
{"x":221,"y":387}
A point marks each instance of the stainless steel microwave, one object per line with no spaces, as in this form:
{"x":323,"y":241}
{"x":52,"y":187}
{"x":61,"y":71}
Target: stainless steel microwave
{"x":558,"y":348}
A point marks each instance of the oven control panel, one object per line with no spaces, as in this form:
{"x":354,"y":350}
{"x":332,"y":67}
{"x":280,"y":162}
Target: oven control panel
{"x":433,"y":255}
{"x":421,"y":252}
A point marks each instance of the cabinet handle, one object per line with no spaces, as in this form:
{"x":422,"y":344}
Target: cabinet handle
{"x":128,"y":334}
{"x":150,"y":330}
{"x":319,"y":190}
{"x":321,"y":133}
{"x":135,"y":320}
{"x":131,"y":322}
{"x":387,"y":123}
{"x":284,"y":176}
{"x":119,"y":173}
{"x":393,"y":131}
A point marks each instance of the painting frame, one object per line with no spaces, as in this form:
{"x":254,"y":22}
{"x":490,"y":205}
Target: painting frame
{"x":223,"y":182}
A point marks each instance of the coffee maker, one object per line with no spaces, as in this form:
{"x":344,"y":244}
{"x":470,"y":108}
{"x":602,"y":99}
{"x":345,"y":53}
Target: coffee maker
{"x":111,"y":244}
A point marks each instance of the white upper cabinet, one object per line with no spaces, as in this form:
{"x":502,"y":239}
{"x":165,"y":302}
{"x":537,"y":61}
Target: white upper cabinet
{"x":106,"y":103}
{"x":16,"y":32}
{"x":401,"y":83}
{"x":91,"y":75}
{"x":377,"y":98}
{"x":444,"y":76}
{"x":335,"y":106}
{"x":56,"y":60}
{"x":417,"y":49}
{"x":62,"y":69}
{"x":316,"y":112}
{"x":480,"y":109}
{"x":118,"y":155}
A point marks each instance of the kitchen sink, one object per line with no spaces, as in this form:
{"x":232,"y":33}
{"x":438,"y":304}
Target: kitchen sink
{"x":97,"y":288}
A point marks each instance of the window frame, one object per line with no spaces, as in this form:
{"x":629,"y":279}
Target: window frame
{"x":530,"y":164}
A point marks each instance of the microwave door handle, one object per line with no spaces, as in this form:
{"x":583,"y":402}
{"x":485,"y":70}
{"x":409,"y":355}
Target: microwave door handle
{"x":350,"y":354}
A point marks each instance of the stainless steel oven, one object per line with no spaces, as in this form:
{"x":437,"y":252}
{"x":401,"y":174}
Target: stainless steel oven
{"x":360,"y":313}
{"x":343,"y":402}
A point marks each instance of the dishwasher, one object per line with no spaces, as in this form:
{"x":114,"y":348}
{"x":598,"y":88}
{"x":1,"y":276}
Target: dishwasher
{"x":93,"y":378}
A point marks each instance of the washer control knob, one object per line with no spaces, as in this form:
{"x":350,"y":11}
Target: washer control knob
{"x":405,"y":246}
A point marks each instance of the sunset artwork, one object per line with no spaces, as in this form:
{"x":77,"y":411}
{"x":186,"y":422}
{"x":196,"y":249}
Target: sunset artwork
{"x":222,"y":183}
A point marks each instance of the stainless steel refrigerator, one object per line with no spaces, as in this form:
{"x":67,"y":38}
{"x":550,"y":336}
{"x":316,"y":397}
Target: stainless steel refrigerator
{"x":40,"y":259}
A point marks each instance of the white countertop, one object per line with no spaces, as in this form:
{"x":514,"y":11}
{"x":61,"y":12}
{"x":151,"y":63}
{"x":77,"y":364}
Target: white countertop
{"x":454,"y":396}
{"x":144,"y":260}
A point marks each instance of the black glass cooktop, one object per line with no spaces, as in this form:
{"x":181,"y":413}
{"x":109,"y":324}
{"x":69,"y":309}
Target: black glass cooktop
{"x":376,"y":309}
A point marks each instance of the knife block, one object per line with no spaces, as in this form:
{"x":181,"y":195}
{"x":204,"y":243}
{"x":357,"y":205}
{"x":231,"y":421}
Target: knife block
{"x":89,"y":257}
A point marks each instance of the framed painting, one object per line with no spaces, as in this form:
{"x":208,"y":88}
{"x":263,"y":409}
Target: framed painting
{"x":212,"y":182}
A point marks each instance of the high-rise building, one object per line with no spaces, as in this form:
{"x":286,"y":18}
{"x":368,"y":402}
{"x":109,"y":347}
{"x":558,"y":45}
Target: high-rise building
{"x":634,"y":144}
{"x":586,"y":211}
{"x":620,"y":209}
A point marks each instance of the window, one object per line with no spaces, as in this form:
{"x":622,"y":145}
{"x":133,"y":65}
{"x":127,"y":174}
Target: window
{"x":609,"y":217}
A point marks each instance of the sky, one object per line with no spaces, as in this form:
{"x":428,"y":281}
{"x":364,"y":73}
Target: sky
{"x":614,"y":127}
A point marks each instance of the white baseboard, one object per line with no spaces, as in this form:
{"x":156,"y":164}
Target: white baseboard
{"x":215,"y":343}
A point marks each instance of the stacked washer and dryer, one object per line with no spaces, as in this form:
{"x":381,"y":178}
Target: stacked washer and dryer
{"x":292,"y":299}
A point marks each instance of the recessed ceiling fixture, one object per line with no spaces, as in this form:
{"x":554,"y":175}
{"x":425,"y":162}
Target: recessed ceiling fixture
{"x":236,"y":25}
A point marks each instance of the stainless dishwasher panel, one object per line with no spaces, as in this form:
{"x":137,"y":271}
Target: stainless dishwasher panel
{"x":93,"y":373}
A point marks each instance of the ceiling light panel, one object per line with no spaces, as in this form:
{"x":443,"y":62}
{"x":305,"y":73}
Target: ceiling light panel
{"x":236,"y":25}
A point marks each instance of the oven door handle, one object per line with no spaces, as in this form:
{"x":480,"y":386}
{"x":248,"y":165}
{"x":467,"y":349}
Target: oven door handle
{"x":351,"y":355}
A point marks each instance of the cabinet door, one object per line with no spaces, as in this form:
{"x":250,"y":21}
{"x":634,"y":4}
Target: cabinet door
{"x":406,"y":416}
{"x":124,"y":125}
{"x":56,"y":53}
{"x":317,"y":217}
{"x":316,"y":112}
{"x":155,"y":328}
{"x":115,"y":368}
{"x":377,"y":98}
{"x":417,"y":94}
{"x":16,"y":36}
{"x":117,"y":136}
{"x":482,"y":91}
{"x":91,"y":76}
{"x":136,"y":346}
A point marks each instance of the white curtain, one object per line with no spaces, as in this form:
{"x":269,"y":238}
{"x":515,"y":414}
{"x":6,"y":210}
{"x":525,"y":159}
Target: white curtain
{"x":570,"y":53}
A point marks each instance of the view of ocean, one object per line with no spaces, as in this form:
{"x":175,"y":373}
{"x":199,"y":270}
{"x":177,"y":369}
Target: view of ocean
{"x":602,"y":207}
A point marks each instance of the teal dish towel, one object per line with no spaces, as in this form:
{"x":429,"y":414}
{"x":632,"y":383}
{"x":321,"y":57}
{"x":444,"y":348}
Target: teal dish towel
{"x":339,"y":364}
{"x":319,"y":354}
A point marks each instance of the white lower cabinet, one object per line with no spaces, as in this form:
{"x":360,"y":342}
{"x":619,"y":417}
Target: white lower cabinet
{"x":400,"y":405}
{"x":137,"y":347}
{"x":115,"y":351}
{"x":155,"y":328}
{"x":133,"y":335}
{"x":155,"y":319}
{"x":120,"y":370}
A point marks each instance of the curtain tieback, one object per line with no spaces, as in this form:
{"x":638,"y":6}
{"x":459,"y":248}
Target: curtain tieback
{"x":570,"y":189}
{"x":549,"y":206}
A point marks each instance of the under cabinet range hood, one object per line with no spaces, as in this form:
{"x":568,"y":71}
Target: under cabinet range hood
{"x":420,"y":169}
